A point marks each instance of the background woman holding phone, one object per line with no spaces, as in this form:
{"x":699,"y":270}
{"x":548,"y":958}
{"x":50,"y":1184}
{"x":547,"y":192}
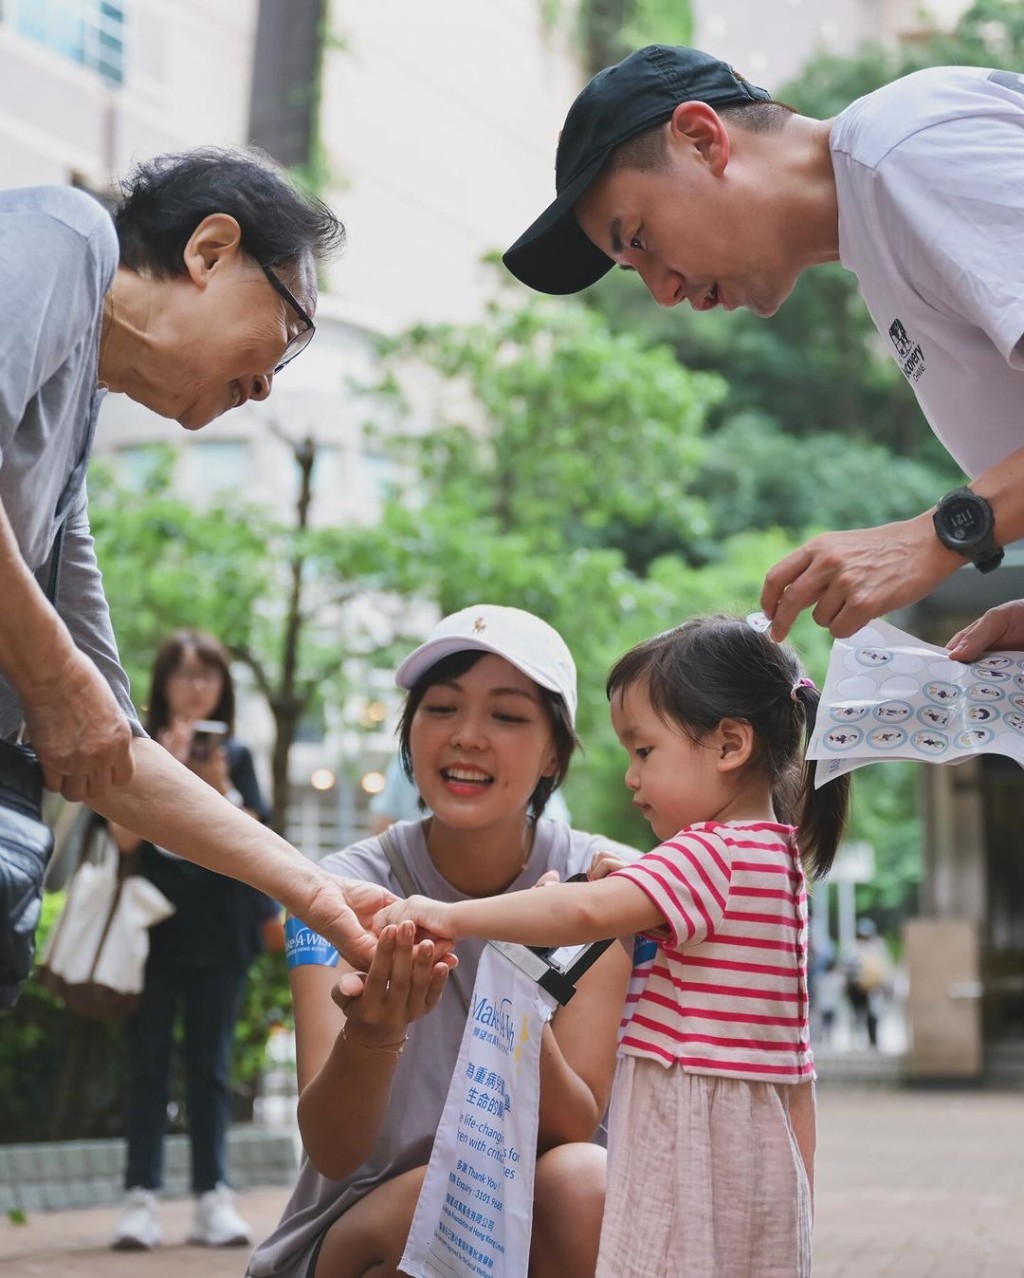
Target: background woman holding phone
{"x":198,"y":957}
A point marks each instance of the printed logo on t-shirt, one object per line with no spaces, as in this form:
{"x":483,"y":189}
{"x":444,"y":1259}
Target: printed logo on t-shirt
{"x":909,"y":352}
{"x":1009,"y":80}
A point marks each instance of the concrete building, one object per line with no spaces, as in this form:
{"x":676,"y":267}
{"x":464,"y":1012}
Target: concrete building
{"x":769,"y":43}
{"x":431,"y":130}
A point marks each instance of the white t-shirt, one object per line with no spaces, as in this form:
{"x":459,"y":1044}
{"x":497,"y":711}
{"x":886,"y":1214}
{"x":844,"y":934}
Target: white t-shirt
{"x":930,"y":182}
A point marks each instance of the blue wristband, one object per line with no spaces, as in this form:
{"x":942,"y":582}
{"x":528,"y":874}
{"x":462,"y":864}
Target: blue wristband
{"x":303,"y":947}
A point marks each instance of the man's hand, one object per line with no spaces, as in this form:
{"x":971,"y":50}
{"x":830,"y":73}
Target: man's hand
{"x":78,"y":730}
{"x":1001,"y":627}
{"x":852,"y":577}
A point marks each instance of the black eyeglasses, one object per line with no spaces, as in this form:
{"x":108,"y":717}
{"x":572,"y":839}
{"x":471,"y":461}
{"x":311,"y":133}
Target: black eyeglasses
{"x":302,"y":339}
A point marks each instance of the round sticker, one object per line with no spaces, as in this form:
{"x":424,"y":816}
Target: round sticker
{"x":759,"y":622}
{"x":1014,"y":720}
{"x":873,"y":656}
{"x":985,"y":692}
{"x":906,"y":663}
{"x":898,"y":686}
{"x":858,"y":688}
{"x":934,"y":716}
{"x":940,"y":692}
{"x":981,"y":714}
{"x":1017,"y":701}
{"x":987,"y":674}
{"x":974,"y":738}
{"x":933,"y":743}
{"x":893,"y":711}
{"x":886,"y":738}
{"x":1019,"y":680}
{"x":994,"y":663}
{"x":843,"y":738}
{"x":848,"y":712}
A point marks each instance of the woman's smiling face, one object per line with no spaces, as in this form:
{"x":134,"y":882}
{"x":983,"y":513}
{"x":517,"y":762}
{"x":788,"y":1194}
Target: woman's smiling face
{"x":480,"y":742}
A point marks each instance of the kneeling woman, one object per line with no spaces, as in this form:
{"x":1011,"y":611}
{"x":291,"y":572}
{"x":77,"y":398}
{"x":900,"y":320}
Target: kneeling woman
{"x":487,"y":733}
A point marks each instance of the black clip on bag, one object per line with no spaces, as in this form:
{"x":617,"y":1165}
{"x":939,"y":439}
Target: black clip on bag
{"x":26,"y":845}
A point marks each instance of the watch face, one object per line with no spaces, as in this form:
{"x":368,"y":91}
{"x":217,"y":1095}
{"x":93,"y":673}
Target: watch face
{"x":964,"y":520}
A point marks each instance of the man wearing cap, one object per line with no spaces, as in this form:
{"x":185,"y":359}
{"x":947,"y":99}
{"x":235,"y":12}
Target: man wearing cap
{"x":672,"y":165}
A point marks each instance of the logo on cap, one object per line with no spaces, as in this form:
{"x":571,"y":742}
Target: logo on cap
{"x":479,"y":626}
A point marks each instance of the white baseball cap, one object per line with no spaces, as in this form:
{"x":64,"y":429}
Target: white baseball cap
{"x":526,"y":642}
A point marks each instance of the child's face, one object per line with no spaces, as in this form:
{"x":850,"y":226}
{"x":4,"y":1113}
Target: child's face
{"x":675,"y":781}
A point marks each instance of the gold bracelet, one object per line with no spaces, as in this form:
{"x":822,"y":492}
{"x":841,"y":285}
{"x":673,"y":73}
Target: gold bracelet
{"x":393,"y":1049}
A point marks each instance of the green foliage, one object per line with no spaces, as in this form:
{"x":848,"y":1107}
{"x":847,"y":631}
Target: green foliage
{"x":60,"y":1077}
{"x":170,"y":565}
{"x":607,"y":30}
{"x":818,"y":481}
{"x":552,"y":476}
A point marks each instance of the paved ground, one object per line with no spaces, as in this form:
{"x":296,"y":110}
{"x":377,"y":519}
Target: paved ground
{"x":915,"y":1184}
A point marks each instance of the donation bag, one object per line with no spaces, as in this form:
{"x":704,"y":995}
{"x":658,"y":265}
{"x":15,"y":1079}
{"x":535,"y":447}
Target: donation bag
{"x":475,"y":1211}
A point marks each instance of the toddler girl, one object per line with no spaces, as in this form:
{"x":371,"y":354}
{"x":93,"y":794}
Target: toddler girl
{"x":712,"y":1117}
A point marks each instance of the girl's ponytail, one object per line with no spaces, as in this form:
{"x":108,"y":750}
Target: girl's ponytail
{"x":821,"y":813}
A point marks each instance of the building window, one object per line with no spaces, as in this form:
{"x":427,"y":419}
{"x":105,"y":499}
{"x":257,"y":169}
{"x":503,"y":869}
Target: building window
{"x":89,"y":32}
{"x":215,"y":468}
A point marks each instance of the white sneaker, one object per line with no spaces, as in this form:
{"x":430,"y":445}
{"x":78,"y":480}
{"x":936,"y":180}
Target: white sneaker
{"x":137,"y":1230}
{"x":216,"y":1223}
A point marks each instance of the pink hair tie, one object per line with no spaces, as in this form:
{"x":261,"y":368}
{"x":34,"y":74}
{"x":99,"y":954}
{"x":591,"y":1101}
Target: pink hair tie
{"x":794,"y":692}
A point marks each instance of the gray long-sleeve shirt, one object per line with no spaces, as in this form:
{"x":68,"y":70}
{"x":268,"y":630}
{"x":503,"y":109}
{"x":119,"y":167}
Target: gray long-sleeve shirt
{"x":58,"y":256}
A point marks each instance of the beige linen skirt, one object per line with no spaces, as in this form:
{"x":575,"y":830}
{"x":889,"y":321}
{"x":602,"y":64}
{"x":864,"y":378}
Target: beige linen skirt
{"x":705,"y":1179}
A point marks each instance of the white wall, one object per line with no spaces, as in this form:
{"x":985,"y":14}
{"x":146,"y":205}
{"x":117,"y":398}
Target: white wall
{"x":441,"y":120}
{"x":187,"y":78}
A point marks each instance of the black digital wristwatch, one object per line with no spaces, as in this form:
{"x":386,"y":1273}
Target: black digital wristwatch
{"x":964,"y":522}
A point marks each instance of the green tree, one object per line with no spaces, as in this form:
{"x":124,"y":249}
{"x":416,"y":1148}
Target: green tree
{"x":265,"y":588}
{"x":551,"y":473}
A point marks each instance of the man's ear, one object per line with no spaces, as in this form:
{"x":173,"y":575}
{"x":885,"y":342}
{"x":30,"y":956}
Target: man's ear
{"x":700,"y":128}
{"x":216,"y":240}
{"x":735,"y":741}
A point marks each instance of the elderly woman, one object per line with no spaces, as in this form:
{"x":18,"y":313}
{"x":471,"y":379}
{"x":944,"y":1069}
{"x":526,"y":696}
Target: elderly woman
{"x":198,"y":293}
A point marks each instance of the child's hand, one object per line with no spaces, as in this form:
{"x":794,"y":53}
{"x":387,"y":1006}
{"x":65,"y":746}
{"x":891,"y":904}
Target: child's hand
{"x":405,"y":982}
{"x":547,"y":878}
{"x":432,"y":918}
{"x":604,"y":863}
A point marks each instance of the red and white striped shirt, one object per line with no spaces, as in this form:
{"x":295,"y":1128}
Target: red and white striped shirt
{"x":724,"y":990}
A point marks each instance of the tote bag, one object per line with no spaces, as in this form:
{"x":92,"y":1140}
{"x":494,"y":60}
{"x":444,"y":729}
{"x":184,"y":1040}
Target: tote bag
{"x":95,"y":959}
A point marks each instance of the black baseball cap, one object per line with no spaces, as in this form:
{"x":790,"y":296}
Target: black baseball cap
{"x":554,"y":256}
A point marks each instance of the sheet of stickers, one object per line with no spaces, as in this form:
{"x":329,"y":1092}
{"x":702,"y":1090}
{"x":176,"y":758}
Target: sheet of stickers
{"x":888,"y":695}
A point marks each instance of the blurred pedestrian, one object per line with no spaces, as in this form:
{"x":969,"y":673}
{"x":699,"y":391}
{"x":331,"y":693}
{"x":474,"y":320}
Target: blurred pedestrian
{"x":198,"y":957}
{"x":827,"y":994}
{"x":868,"y":978}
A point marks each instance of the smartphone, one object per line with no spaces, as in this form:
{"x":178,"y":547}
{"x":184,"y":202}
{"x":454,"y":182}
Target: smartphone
{"x":207,"y":735}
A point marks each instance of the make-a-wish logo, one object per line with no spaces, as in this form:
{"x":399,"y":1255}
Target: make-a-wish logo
{"x":497,"y":1017}
{"x":910,"y":354}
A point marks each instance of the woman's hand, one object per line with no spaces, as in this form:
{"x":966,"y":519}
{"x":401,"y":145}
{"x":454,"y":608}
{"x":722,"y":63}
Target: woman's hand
{"x":603,"y":864}
{"x":405,"y":982}
{"x":176,"y":738}
{"x":434,"y":918}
